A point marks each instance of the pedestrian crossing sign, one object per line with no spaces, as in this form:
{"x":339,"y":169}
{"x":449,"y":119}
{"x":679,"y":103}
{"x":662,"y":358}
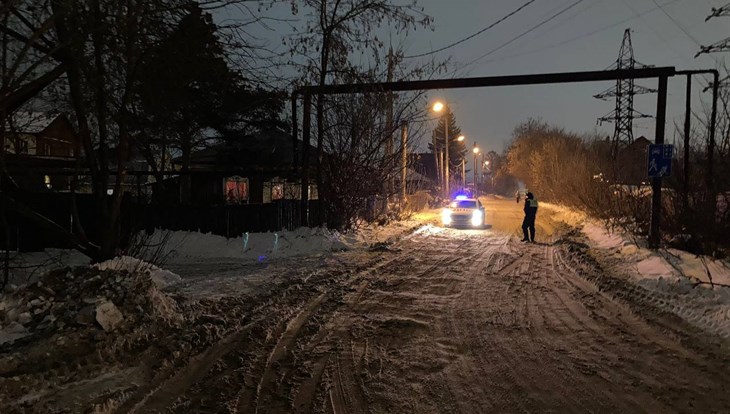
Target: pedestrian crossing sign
{"x":659,"y":160}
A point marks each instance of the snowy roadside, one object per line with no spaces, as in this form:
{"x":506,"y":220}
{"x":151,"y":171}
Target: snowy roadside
{"x":695,"y":288}
{"x":126,"y":321}
{"x":183,"y":246}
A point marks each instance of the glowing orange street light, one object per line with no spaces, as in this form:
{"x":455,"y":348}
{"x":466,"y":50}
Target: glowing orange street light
{"x":460,"y":138}
{"x":438,"y":106}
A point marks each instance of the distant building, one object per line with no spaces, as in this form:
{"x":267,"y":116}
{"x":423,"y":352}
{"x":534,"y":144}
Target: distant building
{"x":253,"y":169}
{"x":36,"y":144}
{"x":426,"y":173}
{"x":632,"y":160}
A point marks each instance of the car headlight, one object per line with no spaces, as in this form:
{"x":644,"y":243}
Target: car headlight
{"x":446,"y":216}
{"x":477,"y":218}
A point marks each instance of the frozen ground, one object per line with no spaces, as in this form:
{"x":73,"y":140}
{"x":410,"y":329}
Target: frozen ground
{"x":434,"y":320}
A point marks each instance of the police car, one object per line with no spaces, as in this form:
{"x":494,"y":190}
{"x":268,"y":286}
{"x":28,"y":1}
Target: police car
{"x":463,"y":212}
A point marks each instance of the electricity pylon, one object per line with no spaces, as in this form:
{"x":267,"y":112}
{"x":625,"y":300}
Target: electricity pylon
{"x":624,"y":114}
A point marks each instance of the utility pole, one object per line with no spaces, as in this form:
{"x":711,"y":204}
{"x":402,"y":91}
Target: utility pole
{"x":306,"y":159}
{"x":389,"y":123}
{"x":687,"y":116}
{"x":476,"y":167}
{"x":624,"y":113}
{"x":404,"y":150}
{"x":446,"y":152}
{"x":463,"y":172}
{"x":439,"y":170}
{"x":656,"y":183}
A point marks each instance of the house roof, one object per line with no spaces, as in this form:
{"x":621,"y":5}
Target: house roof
{"x":413,"y":175}
{"x":266,"y":150}
{"x":424,"y":164}
{"x":33,"y":122}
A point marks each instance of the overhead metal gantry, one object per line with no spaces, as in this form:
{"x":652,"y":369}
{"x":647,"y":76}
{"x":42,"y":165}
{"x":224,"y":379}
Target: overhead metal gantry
{"x":662,"y":74}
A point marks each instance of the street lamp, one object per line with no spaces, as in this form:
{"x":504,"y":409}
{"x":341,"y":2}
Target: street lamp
{"x":439,"y":106}
{"x":475,"y":150}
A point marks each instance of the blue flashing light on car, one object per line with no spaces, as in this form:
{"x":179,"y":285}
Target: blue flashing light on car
{"x":464,"y":211}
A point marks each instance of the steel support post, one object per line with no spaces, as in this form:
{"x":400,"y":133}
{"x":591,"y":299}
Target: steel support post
{"x":656,"y":183}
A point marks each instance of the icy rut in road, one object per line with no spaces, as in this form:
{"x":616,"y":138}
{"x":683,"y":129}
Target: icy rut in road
{"x":453,"y":321}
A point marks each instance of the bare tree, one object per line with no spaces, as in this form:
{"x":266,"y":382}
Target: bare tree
{"x":359,"y":162}
{"x":336,"y":29}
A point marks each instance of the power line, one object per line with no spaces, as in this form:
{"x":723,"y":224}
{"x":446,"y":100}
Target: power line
{"x":678,"y":24}
{"x":581,"y":36}
{"x":517,"y":10}
{"x":526,"y":32}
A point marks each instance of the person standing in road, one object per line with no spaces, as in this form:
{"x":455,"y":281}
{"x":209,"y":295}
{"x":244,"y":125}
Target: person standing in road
{"x":529,"y":222}
{"x":517,"y":196}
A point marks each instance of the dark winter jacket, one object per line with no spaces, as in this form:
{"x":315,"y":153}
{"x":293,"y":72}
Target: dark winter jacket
{"x":530,"y":208}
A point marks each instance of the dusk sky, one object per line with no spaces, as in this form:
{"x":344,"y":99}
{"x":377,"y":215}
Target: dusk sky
{"x":585,"y":37}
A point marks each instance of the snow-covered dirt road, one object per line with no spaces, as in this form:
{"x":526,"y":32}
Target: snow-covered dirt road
{"x":412,"y":318}
{"x":448,"y":321}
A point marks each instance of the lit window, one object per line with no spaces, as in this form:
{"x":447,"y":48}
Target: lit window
{"x":277,"y":191}
{"x":236,"y":190}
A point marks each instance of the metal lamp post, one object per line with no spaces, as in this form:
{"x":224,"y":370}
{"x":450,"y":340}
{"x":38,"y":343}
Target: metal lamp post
{"x":486,"y":168}
{"x":475,"y":150}
{"x":438,"y":107}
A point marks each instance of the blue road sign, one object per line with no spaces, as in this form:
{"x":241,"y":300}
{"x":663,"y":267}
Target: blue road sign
{"x":659,"y":161}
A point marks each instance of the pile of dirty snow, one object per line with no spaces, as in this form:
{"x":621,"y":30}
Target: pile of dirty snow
{"x":78,"y":339}
{"x":111,"y":300}
{"x":161,"y":277}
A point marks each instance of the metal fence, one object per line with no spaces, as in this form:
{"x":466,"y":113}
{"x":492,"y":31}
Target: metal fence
{"x":222,"y":220}
{"x":229,"y":220}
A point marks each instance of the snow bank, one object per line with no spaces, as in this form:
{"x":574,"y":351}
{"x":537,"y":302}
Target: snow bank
{"x":700,"y":268}
{"x":161,"y":277}
{"x":565,"y":215}
{"x":370,"y":234}
{"x":654,"y":267}
{"x":695,"y":288}
{"x":601,"y":238}
{"x":181,"y":245}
